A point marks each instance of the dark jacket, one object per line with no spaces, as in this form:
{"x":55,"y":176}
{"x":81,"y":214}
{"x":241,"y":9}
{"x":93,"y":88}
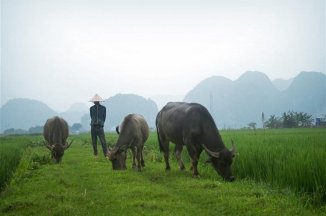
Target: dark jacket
{"x":98,"y":115}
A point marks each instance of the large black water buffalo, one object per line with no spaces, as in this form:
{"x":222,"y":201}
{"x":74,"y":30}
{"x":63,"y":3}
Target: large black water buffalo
{"x":55,"y":132}
{"x":133,"y":133}
{"x":190,"y":124}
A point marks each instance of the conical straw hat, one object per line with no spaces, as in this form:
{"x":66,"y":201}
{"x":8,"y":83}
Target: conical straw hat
{"x":96,"y":98}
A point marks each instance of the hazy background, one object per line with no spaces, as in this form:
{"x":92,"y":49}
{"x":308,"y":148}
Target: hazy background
{"x":64,"y":51}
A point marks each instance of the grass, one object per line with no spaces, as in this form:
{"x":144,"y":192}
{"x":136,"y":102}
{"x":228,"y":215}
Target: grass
{"x":293,"y":158}
{"x":11,"y":151}
{"x":83,"y":185}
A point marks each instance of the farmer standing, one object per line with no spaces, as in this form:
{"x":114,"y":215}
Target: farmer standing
{"x":98,"y":115}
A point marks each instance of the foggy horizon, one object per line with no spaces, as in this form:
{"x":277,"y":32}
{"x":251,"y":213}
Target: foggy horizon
{"x":159,"y":99}
{"x":64,"y":52}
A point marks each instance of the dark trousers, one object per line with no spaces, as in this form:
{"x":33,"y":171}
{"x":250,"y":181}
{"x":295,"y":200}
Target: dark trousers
{"x":97,"y":131}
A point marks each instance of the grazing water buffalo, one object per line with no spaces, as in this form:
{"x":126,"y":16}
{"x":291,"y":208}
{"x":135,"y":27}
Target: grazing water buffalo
{"x":133,"y":133}
{"x":55,"y":132}
{"x":190,"y":124}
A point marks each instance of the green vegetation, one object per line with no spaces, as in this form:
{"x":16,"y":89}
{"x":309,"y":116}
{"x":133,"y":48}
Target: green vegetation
{"x":292,"y":158}
{"x":11,"y":151}
{"x":279,"y":172}
{"x":290,"y":119}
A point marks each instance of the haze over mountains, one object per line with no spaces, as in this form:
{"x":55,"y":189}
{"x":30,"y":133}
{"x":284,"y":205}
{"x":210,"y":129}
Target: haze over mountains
{"x":233,"y":104}
{"x":24,"y":113}
{"x":236,"y":103}
{"x":120,"y":106}
{"x":282,"y":84}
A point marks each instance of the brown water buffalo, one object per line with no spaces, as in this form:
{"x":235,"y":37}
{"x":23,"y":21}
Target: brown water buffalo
{"x":190,"y":124}
{"x":133,"y":133}
{"x":55,"y":132}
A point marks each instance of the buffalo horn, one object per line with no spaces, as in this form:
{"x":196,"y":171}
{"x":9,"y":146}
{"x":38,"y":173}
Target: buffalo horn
{"x":211,"y":153}
{"x":233,"y":150}
{"x":112,"y":152}
{"x":50,"y":147}
{"x":66,"y":146}
{"x":111,"y":155}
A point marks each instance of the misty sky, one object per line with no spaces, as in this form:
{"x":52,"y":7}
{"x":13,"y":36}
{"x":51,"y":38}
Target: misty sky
{"x":65,"y":51}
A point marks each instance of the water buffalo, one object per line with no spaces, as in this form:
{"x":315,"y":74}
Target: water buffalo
{"x":190,"y":124}
{"x":133,"y":133}
{"x":55,"y":132}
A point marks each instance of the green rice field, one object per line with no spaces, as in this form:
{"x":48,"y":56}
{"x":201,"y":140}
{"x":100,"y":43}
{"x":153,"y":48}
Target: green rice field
{"x":278,"y":172}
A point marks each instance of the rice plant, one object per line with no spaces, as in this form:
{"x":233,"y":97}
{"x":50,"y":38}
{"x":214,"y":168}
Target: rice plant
{"x":11,"y":149}
{"x":292,"y":159}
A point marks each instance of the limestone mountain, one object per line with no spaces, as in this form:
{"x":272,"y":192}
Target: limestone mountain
{"x":282,"y":84}
{"x":236,"y":103}
{"x":75,"y":113}
{"x":24,"y":113}
{"x":120,"y":105}
{"x":307,"y":93}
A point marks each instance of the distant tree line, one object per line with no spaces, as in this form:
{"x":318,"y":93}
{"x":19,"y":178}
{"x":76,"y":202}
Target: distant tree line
{"x":290,"y":119}
{"x":75,"y":128}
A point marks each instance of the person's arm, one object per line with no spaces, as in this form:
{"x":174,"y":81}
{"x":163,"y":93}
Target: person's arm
{"x":90,"y":112}
{"x":104,"y":113}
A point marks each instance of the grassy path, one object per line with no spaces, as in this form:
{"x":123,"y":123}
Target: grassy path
{"x":83,"y":185}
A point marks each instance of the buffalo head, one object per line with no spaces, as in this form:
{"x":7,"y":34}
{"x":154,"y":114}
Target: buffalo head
{"x":222,"y":161}
{"x":57,"y":150}
{"x":118,"y":158}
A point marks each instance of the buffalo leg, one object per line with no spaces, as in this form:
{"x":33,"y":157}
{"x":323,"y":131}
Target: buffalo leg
{"x":194,"y":156}
{"x":138,"y":156}
{"x":178,"y":151}
{"x":166,"y":155}
{"x":142,"y":157}
{"x":164,"y":146}
{"x":133,"y":157}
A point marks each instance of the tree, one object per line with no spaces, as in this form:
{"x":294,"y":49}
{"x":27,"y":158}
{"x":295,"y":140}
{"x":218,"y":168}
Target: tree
{"x":304,"y":119}
{"x":296,"y":119}
{"x":252,"y":125}
{"x":273,"y":122}
{"x":76,"y":127}
{"x":290,"y":119}
{"x":35,"y":130}
{"x":9,"y":131}
{"x":263,"y":119}
{"x":13,"y":131}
